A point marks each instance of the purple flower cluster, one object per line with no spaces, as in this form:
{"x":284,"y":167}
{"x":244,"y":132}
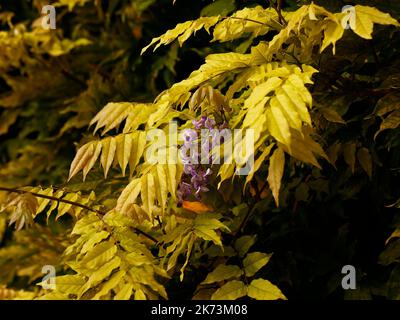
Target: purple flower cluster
{"x":195,"y":178}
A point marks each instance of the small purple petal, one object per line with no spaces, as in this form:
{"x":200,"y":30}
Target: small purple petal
{"x":209,"y":123}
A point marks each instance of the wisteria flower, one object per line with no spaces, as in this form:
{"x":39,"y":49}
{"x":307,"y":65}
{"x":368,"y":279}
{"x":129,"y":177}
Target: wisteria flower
{"x":198,"y":124}
{"x":195,"y":178}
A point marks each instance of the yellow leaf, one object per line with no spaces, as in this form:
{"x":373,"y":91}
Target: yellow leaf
{"x":87,"y":224}
{"x":124,"y":149}
{"x":243,"y":244}
{"x":98,"y":256}
{"x":278,"y":126}
{"x":241,"y":23}
{"x":140,"y":295}
{"x":365,"y":159}
{"x":366,"y":17}
{"x":172,"y":177}
{"x":204,"y":226}
{"x":161,"y":183}
{"x":43,"y":202}
{"x":255,"y":261}
{"x":93,"y":240}
{"x":111,"y":116}
{"x":69,"y":284}
{"x":395,"y":234}
{"x":303,"y":147}
{"x":147,"y":193}
{"x":223,"y":272}
{"x":294,"y":22}
{"x":82,"y":158}
{"x":138,"y":145}
{"x":392,"y":121}
{"x":275,"y":173}
{"x":259,"y":93}
{"x":100,"y":274}
{"x":178,"y":247}
{"x":349,"y":154}
{"x":53,"y":296}
{"x":258,"y":163}
{"x":129,"y":195}
{"x":208,"y":235}
{"x":182,"y":31}
{"x":226,"y":171}
{"x":125,"y":292}
{"x":138,"y":115}
{"x":296,"y":99}
{"x":333,"y":31}
{"x":231,"y":290}
{"x":54,"y":204}
{"x":332,"y":115}
{"x":107,"y":156}
{"x":110,"y":284}
{"x":261,"y":289}
{"x":188,"y":253}
{"x":63,"y":208}
{"x":283,"y":102}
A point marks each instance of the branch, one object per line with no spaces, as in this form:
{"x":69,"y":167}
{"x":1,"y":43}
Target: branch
{"x":278,"y":9}
{"x":76,"y":204}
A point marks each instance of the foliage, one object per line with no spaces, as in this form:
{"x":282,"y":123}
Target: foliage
{"x":323,"y":104}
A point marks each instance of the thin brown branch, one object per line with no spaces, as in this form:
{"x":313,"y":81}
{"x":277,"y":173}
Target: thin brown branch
{"x":76,"y":204}
{"x":278,"y":8}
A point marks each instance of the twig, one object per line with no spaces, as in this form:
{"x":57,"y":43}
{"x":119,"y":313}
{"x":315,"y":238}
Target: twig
{"x":76,"y":204}
{"x":249,"y":212}
{"x":278,"y":9}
